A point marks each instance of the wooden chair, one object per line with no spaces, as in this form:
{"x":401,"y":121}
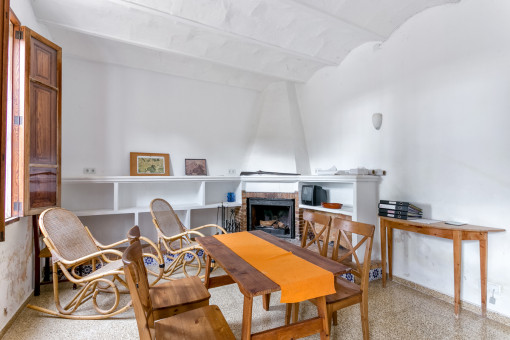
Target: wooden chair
{"x":317,"y":227}
{"x":347,"y":293}
{"x":71,"y":245}
{"x":174,"y":297}
{"x":198,"y":324}
{"x":176,"y":240}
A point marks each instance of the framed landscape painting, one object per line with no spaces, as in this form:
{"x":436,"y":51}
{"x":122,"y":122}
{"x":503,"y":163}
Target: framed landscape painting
{"x":149,"y":164}
{"x":195,"y":167}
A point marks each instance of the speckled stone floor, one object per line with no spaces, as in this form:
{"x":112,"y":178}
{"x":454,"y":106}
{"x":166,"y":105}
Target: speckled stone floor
{"x":395,"y":312}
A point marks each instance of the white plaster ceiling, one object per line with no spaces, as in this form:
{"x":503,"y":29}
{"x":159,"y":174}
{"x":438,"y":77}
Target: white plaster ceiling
{"x":243,"y":43}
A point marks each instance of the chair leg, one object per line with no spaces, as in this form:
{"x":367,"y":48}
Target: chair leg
{"x":364,"y":318}
{"x":335,"y":318}
{"x":288,"y":313}
{"x":330,"y":317}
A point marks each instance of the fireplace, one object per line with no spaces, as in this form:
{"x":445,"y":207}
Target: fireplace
{"x":274,"y":216}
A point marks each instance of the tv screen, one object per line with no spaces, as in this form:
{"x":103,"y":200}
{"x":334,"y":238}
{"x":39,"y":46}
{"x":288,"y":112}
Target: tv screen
{"x":307,"y":194}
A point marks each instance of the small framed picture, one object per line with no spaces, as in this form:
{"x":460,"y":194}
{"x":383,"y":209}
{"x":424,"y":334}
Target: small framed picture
{"x":195,"y":167}
{"x":149,"y":164}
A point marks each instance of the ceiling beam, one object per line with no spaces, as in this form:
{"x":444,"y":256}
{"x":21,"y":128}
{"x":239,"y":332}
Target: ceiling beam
{"x":315,"y":9}
{"x":238,"y":36}
{"x":146,"y":46}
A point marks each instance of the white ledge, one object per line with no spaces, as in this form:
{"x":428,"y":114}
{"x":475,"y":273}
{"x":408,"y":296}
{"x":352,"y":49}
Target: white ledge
{"x":251,"y":178}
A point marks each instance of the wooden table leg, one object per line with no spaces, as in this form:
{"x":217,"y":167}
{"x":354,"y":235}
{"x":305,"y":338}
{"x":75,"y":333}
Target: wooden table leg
{"x":322,"y":311}
{"x":266,"y":298}
{"x":247,"y":314}
{"x":457,"y":261}
{"x":483,"y":272}
{"x":389,"y":233}
{"x":295,"y":312}
{"x":207,"y":271}
{"x":383,"y":251}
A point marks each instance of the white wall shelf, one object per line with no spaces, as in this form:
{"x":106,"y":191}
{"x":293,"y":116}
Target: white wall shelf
{"x":196,"y":199}
{"x":346,"y":210}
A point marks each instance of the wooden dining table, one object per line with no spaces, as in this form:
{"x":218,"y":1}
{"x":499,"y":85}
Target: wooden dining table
{"x":252,"y":282}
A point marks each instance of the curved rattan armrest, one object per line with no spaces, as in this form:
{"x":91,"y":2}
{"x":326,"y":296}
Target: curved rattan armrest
{"x":210,"y":226}
{"x":90,"y":257}
{"x":181,"y":235}
{"x":108,"y":246}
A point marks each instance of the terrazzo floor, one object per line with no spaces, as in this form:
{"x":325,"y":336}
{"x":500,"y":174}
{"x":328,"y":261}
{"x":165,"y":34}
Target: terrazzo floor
{"x":395,"y":312}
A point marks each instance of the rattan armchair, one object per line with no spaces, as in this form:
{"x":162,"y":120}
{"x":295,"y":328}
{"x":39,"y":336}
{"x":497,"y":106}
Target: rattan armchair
{"x":72,"y":245}
{"x":177,"y":241}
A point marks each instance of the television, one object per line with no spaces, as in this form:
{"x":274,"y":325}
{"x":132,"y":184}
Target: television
{"x":313,"y":195}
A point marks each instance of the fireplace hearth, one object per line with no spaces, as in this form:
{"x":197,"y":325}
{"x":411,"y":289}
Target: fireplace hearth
{"x":274,"y":216}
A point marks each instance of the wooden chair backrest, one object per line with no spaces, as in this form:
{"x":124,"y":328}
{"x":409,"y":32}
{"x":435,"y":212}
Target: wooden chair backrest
{"x":136,"y":278}
{"x":165,"y":219}
{"x":133,"y":234}
{"x":318,"y":225}
{"x":344,"y":227}
{"x":66,"y":234}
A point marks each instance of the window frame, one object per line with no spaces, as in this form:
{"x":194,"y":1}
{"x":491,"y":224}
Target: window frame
{"x":14,"y":64}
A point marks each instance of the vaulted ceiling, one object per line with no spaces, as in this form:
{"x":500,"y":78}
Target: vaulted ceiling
{"x":242,"y":43}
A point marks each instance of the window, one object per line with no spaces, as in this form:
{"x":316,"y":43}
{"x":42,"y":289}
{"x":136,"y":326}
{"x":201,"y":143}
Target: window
{"x":32,"y":122}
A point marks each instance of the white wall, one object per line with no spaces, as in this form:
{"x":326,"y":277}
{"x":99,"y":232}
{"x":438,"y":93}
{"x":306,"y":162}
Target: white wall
{"x":442,"y":82}
{"x":16,"y":266}
{"x":110,"y":111}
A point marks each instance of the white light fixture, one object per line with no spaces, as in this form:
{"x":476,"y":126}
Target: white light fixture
{"x":377,"y":120}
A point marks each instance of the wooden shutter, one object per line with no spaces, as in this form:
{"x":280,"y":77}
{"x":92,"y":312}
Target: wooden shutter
{"x":40,"y":123}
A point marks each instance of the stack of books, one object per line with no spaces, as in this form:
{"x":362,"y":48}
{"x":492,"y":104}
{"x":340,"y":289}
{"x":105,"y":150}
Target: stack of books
{"x":398,"y":209}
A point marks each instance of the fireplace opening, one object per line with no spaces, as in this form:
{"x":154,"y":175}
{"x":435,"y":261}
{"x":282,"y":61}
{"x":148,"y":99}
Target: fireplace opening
{"x":274,"y":216}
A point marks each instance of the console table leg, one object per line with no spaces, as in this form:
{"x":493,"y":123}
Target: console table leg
{"x":389,"y":232}
{"x":382,"y":226}
{"x":457,"y":260}
{"x":483,"y":272}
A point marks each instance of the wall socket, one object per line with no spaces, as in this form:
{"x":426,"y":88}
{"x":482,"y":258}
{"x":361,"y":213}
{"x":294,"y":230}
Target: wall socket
{"x":492,"y":287}
{"x":89,"y":171}
{"x":493,"y":290}
{"x":231,"y":171}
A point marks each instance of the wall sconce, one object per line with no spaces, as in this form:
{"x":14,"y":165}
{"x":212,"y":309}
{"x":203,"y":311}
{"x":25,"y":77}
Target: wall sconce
{"x":377,"y":120}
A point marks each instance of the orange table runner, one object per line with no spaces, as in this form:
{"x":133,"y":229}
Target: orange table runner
{"x":298,"y":279}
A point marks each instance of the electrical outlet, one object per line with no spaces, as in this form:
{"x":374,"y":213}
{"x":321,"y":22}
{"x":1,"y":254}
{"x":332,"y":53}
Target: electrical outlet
{"x":89,"y":171}
{"x":493,"y":288}
{"x":231,"y":171}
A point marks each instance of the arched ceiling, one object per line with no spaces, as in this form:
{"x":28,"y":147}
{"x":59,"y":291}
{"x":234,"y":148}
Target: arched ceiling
{"x":243,"y":43}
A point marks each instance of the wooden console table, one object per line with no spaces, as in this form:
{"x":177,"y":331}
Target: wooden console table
{"x":440,"y":229}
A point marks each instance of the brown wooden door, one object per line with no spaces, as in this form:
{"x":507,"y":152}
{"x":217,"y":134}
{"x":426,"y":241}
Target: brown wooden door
{"x":41,"y":123}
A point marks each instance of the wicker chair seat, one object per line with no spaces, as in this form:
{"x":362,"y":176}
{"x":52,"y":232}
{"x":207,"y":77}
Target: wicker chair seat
{"x":116,"y":265}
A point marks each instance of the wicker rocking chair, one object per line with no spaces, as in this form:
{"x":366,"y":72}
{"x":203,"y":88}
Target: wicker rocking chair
{"x":176,"y":240}
{"x":71,"y":245}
